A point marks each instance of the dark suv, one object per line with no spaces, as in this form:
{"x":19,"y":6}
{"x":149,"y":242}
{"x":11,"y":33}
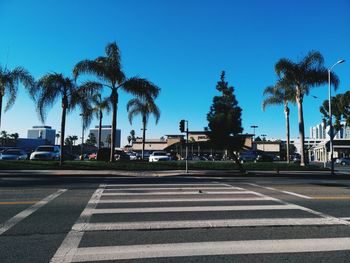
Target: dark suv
{"x":104,"y":153}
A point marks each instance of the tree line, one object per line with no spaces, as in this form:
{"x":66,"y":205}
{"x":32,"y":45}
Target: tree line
{"x":106,"y":72}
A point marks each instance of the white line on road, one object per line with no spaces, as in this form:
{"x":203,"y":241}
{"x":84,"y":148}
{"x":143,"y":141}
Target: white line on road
{"x":71,"y":242}
{"x":229,"y":192}
{"x":160,"y":185}
{"x":303,"y":208}
{"x":277,"y":190}
{"x":193,"y":209}
{"x":185,"y":224}
{"x":195,"y":188}
{"x":173,"y":200}
{"x":27,"y":212}
{"x":89,"y":254}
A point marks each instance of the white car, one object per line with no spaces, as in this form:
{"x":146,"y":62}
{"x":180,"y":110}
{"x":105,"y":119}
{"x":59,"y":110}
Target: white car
{"x":46,"y":152}
{"x":157,"y":156}
{"x":133,"y":155}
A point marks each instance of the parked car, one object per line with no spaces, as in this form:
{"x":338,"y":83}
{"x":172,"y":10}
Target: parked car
{"x":157,"y":156}
{"x":264,"y":157}
{"x":343,"y":161}
{"x":120,"y":155}
{"x":248,"y":156}
{"x":13,"y":154}
{"x":104,"y":153}
{"x":46,"y":152}
{"x":92,"y":156}
{"x":133,"y":155}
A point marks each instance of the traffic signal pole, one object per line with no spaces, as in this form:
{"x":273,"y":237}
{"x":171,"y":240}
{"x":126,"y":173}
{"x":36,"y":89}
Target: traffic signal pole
{"x":182,"y":129}
{"x":186,"y":146}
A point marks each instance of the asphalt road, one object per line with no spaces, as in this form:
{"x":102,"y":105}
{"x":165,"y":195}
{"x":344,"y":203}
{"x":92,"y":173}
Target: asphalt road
{"x":174,"y":219}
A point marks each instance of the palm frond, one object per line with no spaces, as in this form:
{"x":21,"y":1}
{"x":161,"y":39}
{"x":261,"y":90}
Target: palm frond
{"x":284,"y":67}
{"x":50,"y":87}
{"x":141,"y":87}
{"x":143,"y":107}
{"x":89,"y":67}
{"x":113,"y":53}
{"x":313,"y":59}
{"x":20,"y":74}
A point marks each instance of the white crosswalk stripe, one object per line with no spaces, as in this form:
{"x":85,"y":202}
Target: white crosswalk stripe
{"x":170,"y":198}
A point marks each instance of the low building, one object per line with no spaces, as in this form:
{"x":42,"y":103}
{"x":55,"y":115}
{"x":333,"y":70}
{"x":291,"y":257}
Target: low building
{"x":150,"y":145}
{"x":106,"y":134}
{"x":267,"y":146}
{"x":42,"y":132}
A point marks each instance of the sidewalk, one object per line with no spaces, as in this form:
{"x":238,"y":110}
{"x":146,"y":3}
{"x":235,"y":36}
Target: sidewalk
{"x":199,"y":173}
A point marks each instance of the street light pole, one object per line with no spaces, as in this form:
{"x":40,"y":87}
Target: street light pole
{"x":82,"y":137}
{"x":330,"y":114}
{"x":254,"y":127}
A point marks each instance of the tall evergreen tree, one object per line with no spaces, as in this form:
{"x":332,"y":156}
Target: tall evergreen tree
{"x":224,"y":120}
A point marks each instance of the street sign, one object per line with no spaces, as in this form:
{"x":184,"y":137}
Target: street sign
{"x":331,"y":133}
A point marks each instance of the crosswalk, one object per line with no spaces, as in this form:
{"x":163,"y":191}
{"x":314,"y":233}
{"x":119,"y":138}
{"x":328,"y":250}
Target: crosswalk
{"x":119,"y":208}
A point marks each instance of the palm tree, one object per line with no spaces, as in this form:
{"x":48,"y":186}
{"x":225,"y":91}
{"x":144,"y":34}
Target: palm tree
{"x":74,"y":138}
{"x":277,"y":95}
{"x":9,"y":81}
{"x":108,"y":71}
{"x":144,"y":107}
{"x":97,"y":106}
{"x":304,"y":75}
{"x":55,"y":86}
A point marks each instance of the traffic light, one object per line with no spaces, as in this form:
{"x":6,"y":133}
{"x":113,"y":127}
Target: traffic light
{"x":182,"y":126}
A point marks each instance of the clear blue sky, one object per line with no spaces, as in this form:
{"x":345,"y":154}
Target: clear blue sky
{"x":182,"y":46}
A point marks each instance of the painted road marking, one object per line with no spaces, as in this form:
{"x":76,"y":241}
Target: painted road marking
{"x":193,"y":209}
{"x":71,"y":242}
{"x":185,"y":224}
{"x":211,"y":248}
{"x":151,"y":185}
{"x":173,"y":200}
{"x":277,"y":190}
{"x":27,"y":212}
{"x":19,"y":202}
{"x":331,"y":197}
{"x":344,"y":222}
{"x":229,"y":192}
{"x":171,"y":188}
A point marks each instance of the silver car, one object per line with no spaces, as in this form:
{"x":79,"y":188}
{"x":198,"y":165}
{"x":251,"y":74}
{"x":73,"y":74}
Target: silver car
{"x":343,"y":161}
{"x":13,"y":154}
{"x":46,"y":152}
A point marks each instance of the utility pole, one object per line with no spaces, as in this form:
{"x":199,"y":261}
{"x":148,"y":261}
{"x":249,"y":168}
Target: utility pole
{"x":182,"y":129}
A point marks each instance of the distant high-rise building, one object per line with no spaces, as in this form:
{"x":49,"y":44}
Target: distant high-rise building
{"x":105,"y":135}
{"x":42,"y":132}
{"x":320,"y":132}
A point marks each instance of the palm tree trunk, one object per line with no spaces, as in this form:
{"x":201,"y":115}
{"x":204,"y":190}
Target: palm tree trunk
{"x":143,"y":136}
{"x":299,"y":100}
{"x":1,"y":98}
{"x":286,"y":112}
{"x":100,"y":130}
{"x":63,"y":126}
{"x":114,"y":99}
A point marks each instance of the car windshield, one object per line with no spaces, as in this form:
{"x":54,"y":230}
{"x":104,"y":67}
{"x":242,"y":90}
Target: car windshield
{"x":45,"y":149}
{"x":159,"y":153}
